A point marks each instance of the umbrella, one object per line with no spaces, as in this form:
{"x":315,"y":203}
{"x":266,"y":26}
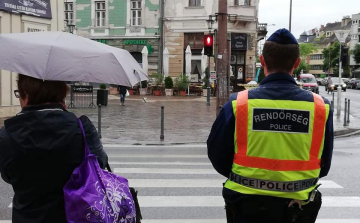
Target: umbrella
{"x":66,"y":57}
{"x":188,"y":62}
{"x":203,"y":63}
{"x":145,"y":62}
{"x":166,"y":62}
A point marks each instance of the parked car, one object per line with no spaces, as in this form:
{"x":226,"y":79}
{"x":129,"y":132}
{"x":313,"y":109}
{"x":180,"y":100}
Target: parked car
{"x":309,"y":83}
{"x":353,"y":82}
{"x":335,"y":84}
{"x":358,"y":85}
{"x":321,"y":81}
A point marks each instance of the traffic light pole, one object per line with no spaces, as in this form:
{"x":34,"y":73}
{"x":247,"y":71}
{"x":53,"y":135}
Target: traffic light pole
{"x":338,"y":114}
{"x":222,"y":56}
{"x":208,"y":85}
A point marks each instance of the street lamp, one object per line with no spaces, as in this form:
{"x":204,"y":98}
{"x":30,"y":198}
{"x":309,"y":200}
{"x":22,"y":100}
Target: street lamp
{"x":210,"y":22}
{"x":341,"y":35}
{"x":71,"y":26}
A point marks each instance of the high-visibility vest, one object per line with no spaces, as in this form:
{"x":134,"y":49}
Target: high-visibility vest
{"x":278,"y":146}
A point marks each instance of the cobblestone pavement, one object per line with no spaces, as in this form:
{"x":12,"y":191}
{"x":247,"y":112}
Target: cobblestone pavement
{"x":186,"y":119}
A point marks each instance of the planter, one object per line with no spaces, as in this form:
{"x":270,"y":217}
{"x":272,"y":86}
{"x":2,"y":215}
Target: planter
{"x":204,"y":92}
{"x":131,"y":92}
{"x":157,"y":92}
{"x":169,"y":92}
{"x":102,"y":97}
{"x":183,"y":93}
{"x":143,"y":91}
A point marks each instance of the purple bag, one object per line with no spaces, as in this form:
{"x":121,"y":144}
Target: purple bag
{"x":95,"y":195}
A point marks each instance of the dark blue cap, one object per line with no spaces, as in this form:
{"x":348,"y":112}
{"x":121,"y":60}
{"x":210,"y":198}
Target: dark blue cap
{"x":283,"y":36}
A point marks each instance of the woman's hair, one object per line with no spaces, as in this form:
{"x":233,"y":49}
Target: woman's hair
{"x":41,"y":92}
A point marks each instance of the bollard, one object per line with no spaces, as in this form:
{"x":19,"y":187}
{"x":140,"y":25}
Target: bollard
{"x":162,"y":137}
{"x":333,"y":94}
{"x":99,"y":121}
{"x":348,"y":118}
{"x":345,"y":112}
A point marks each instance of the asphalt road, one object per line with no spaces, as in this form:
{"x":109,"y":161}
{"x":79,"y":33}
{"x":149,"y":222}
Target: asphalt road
{"x":178,"y":182}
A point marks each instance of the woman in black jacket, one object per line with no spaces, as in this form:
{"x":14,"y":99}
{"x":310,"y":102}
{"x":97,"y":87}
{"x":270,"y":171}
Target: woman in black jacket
{"x":122,"y":90}
{"x":40,"y":148}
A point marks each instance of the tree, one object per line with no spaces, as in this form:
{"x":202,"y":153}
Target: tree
{"x":331,"y":57}
{"x":307,"y":49}
{"x":302,"y":67}
{"x":356,"y":53}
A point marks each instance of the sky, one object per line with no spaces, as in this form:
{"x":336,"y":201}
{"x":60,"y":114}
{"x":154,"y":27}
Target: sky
{"x":307,"y":14}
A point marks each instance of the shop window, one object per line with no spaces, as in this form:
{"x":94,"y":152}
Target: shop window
{"x":100,"y":12}
{"x":136,"y":19}
{"x":194,"y":3}
{"x":194,"y":40}
{"x":69,"y":12}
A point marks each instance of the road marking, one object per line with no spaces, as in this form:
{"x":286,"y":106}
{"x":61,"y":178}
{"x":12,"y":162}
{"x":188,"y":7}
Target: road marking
{"x":218,"y":201}
{"x":224,"y":221}
{"x":218,"y":183}
{"x":162,"y":163}
{"x":5,"y":221}
{"x":185,"y":146}
{"x":154,"y":156}
{"x":165,"y":171}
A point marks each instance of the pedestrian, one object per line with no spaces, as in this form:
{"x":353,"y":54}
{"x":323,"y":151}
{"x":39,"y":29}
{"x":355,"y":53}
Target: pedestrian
{"x":273,"y":143}
{"x":122,"y":90}
{"x":329,"y":84}
{"x":39,"y":149}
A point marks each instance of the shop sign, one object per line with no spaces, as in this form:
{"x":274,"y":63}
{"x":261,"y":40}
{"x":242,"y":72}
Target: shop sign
{"x":38,"y":8}
{"x":30,"y":27}
{"x":238,"y":41}
{"x":82,"y":89}
{"x":135,"y":42}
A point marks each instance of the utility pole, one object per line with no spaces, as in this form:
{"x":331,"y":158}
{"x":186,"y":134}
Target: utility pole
{"x":222,"y":57}
{"x":290,"y":15}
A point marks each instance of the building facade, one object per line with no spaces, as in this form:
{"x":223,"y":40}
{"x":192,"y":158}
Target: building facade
{"x":185,"y":25}
{"x":127,"y":24}
{"x":44,"y":15}
{"x":355,"y":35}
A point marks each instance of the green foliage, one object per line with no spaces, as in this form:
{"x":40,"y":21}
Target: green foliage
{"x":182,"y":82}
{"x":356,"y":53}
{"x":144,"y":84}
{"x":302,"y":67}
{"x":307,"y":49}
{"x":159,"y":78}
{"x":169,"y":83}
{"x":331,"y":57}
{"x":103,"y":86}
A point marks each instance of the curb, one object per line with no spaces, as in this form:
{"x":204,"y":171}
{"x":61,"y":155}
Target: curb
{"x":346,"y":133}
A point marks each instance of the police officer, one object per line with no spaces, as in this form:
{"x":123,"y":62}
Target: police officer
{"x":273,"y":143}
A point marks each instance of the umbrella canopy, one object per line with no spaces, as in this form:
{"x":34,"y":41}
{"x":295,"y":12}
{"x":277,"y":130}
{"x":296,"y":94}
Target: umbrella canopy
{"x":166,"y":62}
{"x":145,"y":62}
{"x":188,"y":62}
{"x":66,"y":57}
{"x":203,"y":63}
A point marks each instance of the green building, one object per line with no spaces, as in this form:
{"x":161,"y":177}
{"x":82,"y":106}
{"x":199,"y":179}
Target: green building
{"x":126,"y":24}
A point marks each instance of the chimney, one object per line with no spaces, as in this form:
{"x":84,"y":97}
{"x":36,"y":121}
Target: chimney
{"x":313,"y":31}
{"x":345,"y":20}
{"x":322,"y":27}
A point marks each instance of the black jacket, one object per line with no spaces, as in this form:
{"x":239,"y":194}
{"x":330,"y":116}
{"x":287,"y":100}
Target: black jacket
{"x":39,"y":150}
{"x":122,"y":89}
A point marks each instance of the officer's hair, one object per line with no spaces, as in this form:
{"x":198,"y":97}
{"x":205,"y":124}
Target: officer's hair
{"x":41,"y":92}
{"x":280,"y":57}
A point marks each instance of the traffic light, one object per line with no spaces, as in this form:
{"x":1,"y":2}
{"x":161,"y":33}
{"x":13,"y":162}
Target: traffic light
{"x":208,"y":44}
{"x":344,"y":55}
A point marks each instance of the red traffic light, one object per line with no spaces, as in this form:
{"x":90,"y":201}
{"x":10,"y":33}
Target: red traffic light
{"x":209,"y":40}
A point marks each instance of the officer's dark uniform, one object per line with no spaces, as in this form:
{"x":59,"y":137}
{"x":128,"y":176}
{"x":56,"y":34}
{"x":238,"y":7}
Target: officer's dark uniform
{"x":221,"y":149}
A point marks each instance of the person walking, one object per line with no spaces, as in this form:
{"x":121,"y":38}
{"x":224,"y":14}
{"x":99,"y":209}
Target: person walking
{"x":39,"y":149}
{"x":273,"y":143}
{"x":122,"y":90}
{"x":329,"y":84}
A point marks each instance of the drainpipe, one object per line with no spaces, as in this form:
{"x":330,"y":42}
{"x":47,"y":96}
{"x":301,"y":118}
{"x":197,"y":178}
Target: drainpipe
{"x":162,"y":39}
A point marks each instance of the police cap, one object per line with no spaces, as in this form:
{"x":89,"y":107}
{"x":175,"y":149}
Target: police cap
{"x":283,"y":36}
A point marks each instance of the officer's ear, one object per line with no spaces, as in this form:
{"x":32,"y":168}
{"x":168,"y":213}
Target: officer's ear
{"x":262,"y":60}
{"x":297,"y":63}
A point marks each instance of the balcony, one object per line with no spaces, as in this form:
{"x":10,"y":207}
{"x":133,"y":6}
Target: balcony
{"x":262,"y":30}
{"x":246,"y":13}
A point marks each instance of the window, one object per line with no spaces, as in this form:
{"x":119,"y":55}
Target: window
{"x":245,"y":2}
{"x":355,"y":22}
{"x":194,"y":3}
{"x":354,"y":36}
{"x":316,"y":67}
{"x":69,"y":12}
{"x":316,"y":57}
{"x":100,"y":13}
{"x":328,"y":34}
{"x":136,"y":13}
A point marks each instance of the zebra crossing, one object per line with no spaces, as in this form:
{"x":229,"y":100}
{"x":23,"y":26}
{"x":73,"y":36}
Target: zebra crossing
{"x":177,"y":184}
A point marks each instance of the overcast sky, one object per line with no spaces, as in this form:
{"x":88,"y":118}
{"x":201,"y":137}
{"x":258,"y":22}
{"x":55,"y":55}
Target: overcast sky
{"x":307,"y":14}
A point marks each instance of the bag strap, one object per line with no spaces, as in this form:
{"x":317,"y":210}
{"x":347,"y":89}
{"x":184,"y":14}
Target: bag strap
{"x":87,"y":149}
{"x":108,"y":167}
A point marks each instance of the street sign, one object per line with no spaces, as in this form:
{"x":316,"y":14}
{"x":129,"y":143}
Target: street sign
{"x":341,"y":35}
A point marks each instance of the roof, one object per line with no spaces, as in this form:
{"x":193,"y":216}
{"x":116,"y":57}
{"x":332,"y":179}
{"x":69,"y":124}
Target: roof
{"x":332,"y":26}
